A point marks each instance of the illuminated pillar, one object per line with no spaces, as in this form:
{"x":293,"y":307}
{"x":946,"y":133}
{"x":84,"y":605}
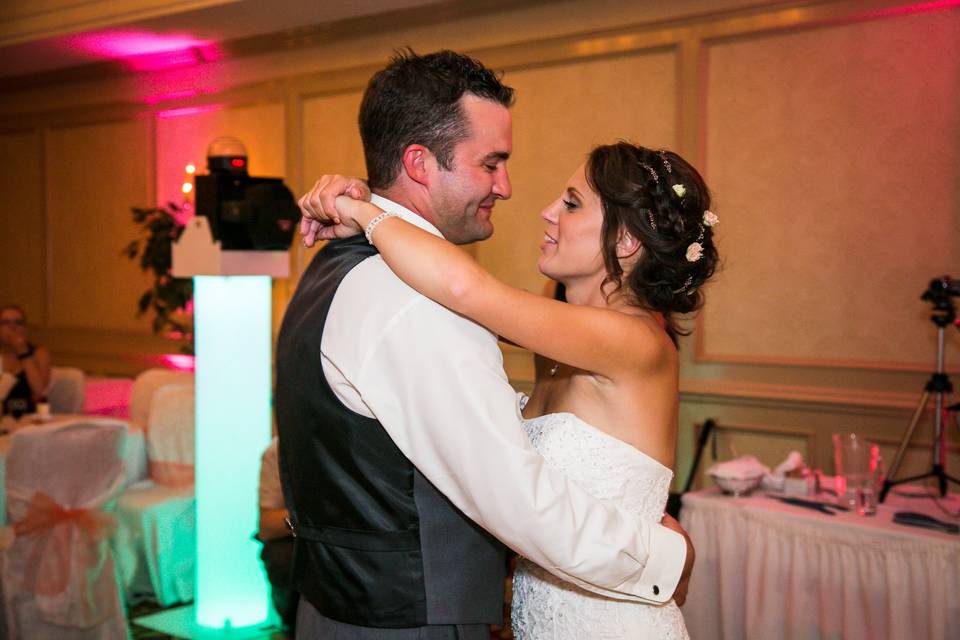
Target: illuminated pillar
{"x":233,"y":383}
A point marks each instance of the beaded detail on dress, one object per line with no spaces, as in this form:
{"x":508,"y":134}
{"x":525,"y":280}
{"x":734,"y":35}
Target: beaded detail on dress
{"x":547,"y":608}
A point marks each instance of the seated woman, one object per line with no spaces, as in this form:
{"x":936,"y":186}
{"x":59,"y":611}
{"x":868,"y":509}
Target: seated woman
{"x":29,"y":363}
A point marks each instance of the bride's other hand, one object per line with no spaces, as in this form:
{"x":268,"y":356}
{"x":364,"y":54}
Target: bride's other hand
{"x":680,"y":593}
{"x":321,"y":219}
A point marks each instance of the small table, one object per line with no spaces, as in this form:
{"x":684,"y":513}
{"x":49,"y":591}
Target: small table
{"x":765,"y":569}
{"x":135,"y":459}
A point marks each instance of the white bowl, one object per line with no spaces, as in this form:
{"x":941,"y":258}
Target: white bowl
{"x":738,"y":486}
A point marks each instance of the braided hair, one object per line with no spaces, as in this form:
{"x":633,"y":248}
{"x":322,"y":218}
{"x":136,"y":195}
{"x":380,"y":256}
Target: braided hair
{"x":661,"y":200}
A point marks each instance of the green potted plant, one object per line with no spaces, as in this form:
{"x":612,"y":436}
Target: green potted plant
{"x":170,"y":298}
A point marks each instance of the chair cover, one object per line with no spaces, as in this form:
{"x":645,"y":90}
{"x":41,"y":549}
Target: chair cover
{"x":58,"y":577}
{"x":145,"y":385}
{"x":66,"y":391}
{"x":156,"y":539}
{"x":156,"y":543}
{"x":170,"y":435}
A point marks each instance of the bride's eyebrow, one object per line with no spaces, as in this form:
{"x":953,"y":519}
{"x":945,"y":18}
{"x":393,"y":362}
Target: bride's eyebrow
{"x":572,"y":192}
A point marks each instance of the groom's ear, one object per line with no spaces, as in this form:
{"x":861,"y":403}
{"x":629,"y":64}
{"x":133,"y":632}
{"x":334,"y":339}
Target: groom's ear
{"x":416,"y":163}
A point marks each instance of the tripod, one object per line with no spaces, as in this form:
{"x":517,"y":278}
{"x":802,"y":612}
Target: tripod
{"x":939,"y":385}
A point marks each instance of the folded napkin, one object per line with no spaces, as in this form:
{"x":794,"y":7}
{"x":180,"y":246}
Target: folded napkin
{"x":780,"y":478}
{"x":742,"y":468}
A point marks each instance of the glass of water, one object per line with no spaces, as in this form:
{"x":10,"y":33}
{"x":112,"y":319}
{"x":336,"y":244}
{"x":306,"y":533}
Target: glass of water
{"x":859,"y":472}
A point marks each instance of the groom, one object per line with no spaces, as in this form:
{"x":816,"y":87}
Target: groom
{"x":404,"y":463}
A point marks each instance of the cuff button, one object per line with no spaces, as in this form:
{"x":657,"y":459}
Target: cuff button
{"x":656,"y":590}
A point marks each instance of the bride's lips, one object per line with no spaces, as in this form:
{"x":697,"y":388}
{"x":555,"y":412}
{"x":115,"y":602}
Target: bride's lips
{"x":548,"y":240}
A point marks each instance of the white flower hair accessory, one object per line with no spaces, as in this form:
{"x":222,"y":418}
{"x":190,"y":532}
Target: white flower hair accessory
{"x":694,"y":252}
{"x":710,"y":219}
{"x":680,"y":190}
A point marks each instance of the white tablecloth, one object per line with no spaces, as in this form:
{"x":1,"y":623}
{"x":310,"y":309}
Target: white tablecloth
{"x":135,"y":459}
{"x":765,"y":569}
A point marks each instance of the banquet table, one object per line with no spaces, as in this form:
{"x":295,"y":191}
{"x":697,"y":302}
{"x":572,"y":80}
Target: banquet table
{"x":766,"y":569}
{"x":135,"y":458}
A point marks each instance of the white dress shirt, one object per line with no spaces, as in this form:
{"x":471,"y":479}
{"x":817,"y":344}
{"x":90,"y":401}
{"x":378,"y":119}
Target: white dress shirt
{"x":436,"y":383}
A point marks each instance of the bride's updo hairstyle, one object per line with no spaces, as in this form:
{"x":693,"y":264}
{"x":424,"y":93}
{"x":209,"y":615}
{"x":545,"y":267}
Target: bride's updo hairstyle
{"x":662,"y":201}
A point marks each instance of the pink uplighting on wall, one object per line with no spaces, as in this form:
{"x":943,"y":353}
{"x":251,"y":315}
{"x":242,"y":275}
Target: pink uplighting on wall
{"x":177,"y":361}
{"x":188,"y":111}
{"x":919,"y":7}
{"x":171,"y":95}
{"x":145,"y":51}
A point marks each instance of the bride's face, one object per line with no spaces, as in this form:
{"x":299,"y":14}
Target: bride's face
{"x":571,"y":247}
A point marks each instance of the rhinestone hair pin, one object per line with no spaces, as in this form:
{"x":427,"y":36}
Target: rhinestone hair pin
{"x":653,"y":174}
{"x":686,"y":285}
{"x":663,"y":159}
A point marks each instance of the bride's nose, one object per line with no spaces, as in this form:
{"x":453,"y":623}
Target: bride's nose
{"x":552,"y":213}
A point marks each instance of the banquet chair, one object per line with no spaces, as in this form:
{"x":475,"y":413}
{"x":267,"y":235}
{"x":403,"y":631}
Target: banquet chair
{"x":58,"y":574}
{"x":170,"y":435}
{"x":156,"y":538}
{"x":66,"y":390}
{"x":145,"y":385}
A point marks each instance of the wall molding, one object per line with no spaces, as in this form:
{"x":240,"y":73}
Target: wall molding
{"x":701,"y":355}
{"x":797,"y":397}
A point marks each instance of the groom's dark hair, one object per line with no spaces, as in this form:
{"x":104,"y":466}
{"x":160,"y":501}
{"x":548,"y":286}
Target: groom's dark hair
{"x":416,"y":100}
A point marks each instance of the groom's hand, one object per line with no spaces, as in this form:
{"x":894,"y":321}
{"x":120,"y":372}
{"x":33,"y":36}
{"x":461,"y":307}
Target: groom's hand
{"x":320,"y":218}
{"x":680,"y":593}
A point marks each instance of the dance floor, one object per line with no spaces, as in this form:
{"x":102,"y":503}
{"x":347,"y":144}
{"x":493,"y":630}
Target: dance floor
{"x":145,"y":609}
{"x":143,"y":633}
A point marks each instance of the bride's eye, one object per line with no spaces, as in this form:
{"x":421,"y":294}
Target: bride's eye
{"x":570,"y":206}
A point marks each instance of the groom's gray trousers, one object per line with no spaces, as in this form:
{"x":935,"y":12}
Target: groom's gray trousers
{"x":313,"y":626}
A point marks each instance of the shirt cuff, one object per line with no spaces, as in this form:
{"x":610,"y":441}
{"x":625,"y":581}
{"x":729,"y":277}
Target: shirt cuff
{"x":661,"y":574}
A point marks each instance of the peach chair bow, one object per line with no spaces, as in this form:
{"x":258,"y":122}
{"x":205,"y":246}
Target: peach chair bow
{"x":48,"y":567}
{"x":171,"y":474}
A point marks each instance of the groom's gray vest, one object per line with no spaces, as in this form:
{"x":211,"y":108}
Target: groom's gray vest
{"x":376,"y":544}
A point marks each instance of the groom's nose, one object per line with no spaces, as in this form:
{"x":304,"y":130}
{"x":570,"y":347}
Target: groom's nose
{"x":501,"y":183}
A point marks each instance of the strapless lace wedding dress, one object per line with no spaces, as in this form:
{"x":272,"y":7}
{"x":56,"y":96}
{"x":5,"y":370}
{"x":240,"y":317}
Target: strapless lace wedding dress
{"x":547,"y":608}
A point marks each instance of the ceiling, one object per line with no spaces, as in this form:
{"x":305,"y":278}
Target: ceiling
{"x":40,"y":37}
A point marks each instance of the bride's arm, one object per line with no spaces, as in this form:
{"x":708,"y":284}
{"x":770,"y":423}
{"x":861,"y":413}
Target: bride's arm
{"x":598,"y":340}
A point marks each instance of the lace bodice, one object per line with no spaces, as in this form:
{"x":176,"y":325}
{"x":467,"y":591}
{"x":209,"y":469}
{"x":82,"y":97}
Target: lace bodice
{"x":545,"y":606}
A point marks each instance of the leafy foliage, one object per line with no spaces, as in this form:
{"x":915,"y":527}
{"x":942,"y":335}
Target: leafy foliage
{"x":168,"y":296}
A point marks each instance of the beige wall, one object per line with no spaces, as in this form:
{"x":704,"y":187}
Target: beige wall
{"x":827,"y":131}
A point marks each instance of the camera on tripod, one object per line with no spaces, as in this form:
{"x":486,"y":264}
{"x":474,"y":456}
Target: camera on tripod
{"x":940,"y":292}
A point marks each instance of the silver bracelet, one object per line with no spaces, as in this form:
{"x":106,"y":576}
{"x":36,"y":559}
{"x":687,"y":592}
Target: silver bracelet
{"x":368,"y":232}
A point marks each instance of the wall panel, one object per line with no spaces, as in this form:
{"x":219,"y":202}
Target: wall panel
{"x":561,"y":112}
{"x":22,"y":246}
{"x":837,"y":179}
{"x":331,"y":144}
{"x":94,"y":175}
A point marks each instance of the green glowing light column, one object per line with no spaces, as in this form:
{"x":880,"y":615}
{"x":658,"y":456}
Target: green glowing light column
{"x":233,"y":383}
{"x":231,"y":316}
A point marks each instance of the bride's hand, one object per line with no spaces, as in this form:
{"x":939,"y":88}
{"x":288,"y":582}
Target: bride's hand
{"x":356,"y":214}
{"x":321,"y":219}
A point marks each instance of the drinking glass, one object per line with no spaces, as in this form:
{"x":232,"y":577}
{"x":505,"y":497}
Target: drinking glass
{"x":859,"y":472}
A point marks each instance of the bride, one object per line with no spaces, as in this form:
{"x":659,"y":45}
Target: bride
{"x":630,"y":239}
